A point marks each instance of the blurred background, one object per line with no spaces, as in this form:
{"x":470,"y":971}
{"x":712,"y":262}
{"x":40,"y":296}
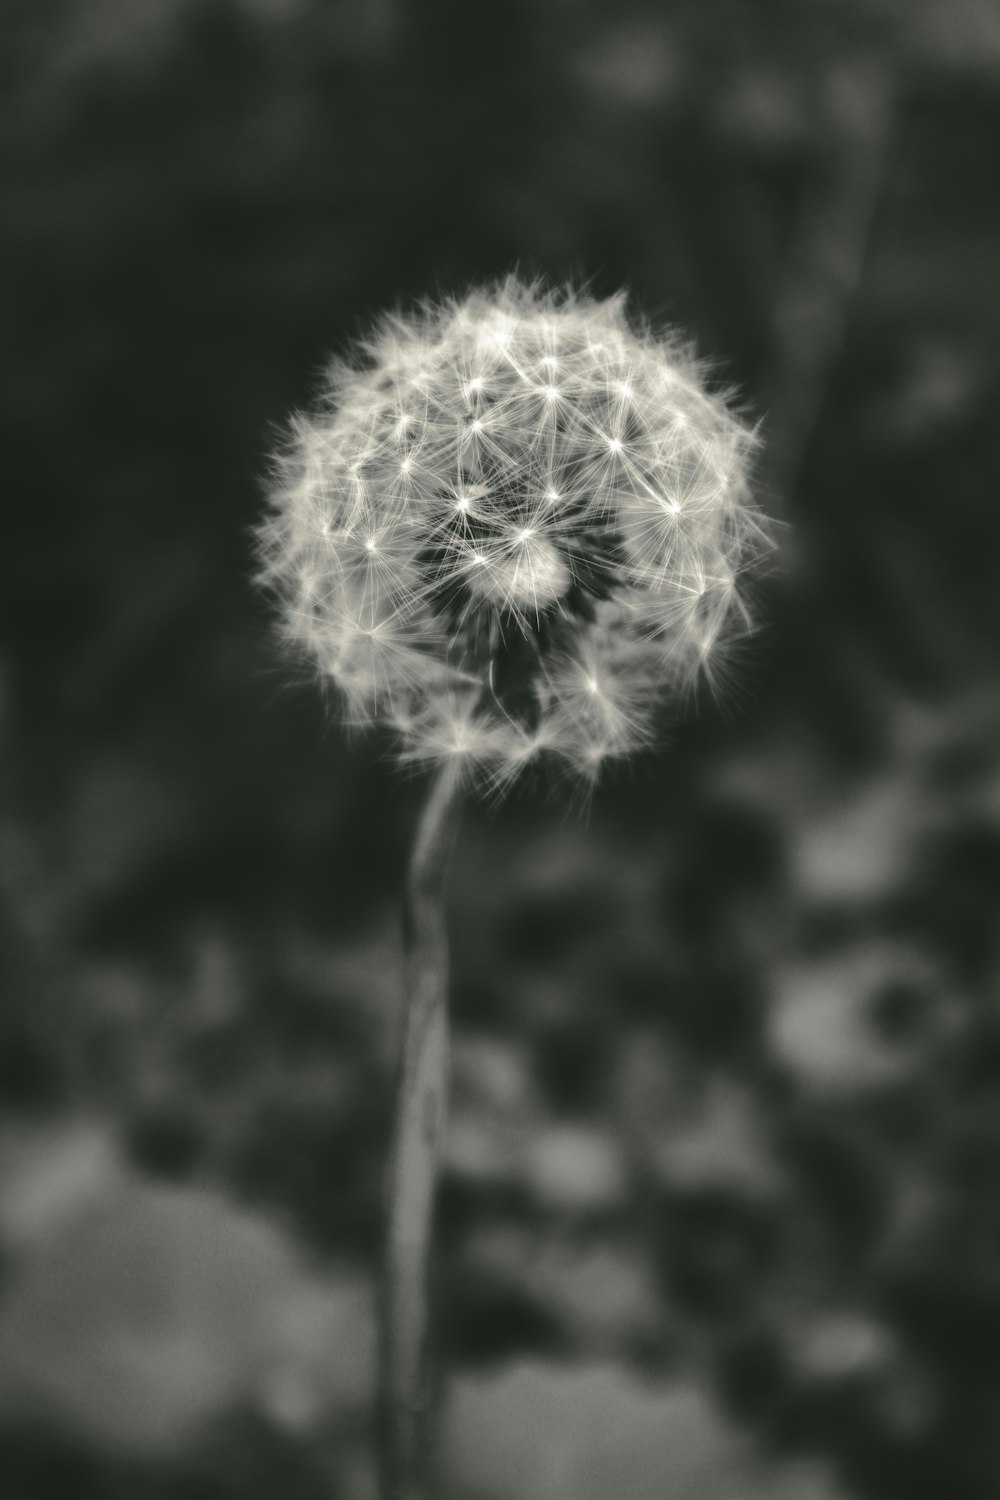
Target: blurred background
{"x":721,"y":1217}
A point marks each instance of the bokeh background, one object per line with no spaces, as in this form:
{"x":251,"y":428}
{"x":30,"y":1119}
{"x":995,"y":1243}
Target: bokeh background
{"x":722,"y":1210}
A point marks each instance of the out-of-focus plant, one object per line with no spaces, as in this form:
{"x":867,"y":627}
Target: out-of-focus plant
{"x":516,"y":527}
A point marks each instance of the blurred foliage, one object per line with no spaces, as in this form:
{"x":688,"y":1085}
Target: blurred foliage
{"x":240,"y":1458}
{"x":728,"y":1055}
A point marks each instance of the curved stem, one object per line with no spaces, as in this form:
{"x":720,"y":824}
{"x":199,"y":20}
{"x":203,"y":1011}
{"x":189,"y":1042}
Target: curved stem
{"x":825,"y":268}
{"x":418,"y":1137}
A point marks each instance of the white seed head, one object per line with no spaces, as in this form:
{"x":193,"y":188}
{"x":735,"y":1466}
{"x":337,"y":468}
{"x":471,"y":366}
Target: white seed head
{"x":499,"y":566}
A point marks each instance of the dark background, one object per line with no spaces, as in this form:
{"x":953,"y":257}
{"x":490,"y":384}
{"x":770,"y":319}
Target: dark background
{"x":723,"y":1201}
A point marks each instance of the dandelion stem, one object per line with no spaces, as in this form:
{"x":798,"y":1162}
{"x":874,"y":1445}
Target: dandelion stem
{"x":406,"y":1396}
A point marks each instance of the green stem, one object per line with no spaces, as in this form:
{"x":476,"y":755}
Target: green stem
{"x":418,"y":1138}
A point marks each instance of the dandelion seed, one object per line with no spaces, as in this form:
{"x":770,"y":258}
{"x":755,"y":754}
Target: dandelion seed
{"x":498,"y":337}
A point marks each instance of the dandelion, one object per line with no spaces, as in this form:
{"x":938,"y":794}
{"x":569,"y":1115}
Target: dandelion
{"x":506,"y":487}
{"x":515,"y":528}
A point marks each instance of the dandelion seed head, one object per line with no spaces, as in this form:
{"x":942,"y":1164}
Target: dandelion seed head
{"x":541,"y":590}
